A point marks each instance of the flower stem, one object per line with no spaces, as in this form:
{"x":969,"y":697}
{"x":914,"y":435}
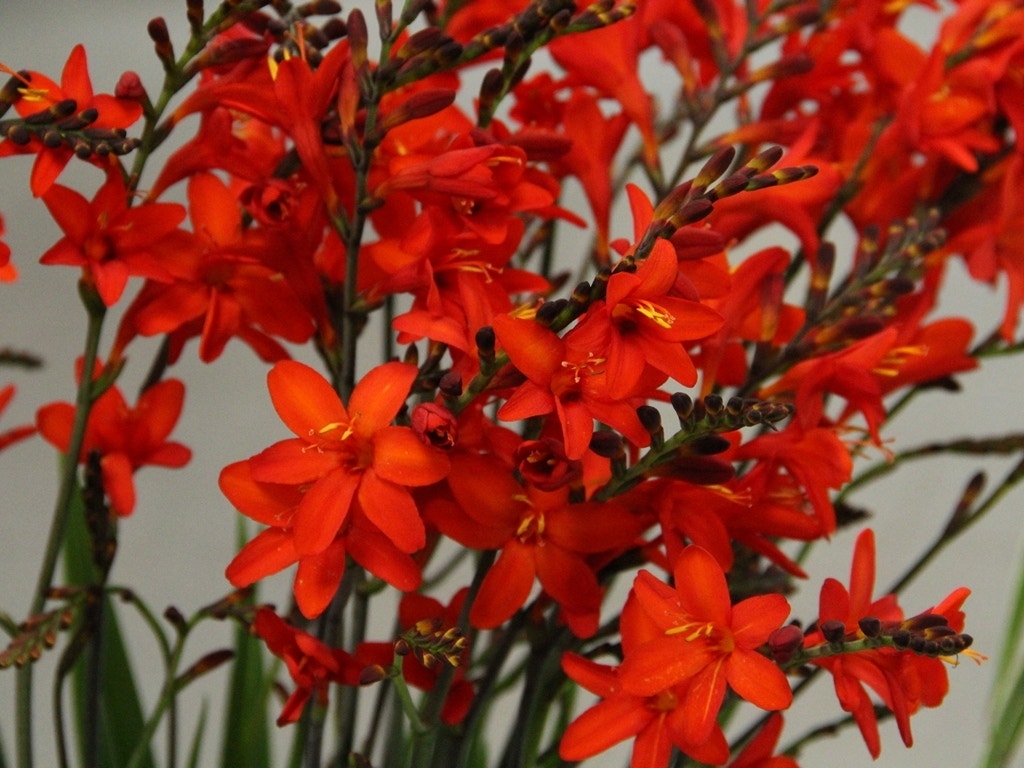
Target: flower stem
{"x":58,"y":525}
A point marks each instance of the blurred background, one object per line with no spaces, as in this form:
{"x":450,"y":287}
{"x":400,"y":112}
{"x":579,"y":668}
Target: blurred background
{"x":173,"y":550}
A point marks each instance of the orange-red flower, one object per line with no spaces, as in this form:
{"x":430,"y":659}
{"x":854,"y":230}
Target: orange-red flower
{"x":126,"y":438}
{"x":706,"y":641}
{"x":222,"y":287}
{"x":317,"y":575}
{"x":760,"y":752}
{"x":312,"y":664}
{"x":565,"y":376}
{"x":345,"y":454}
{"x":541,"y":536}
{"x":13,"y":435}
{"x":903,"y":680}
{"x":657,"y":723}
{"x":108,"y":240}
{"x":40,"y":93}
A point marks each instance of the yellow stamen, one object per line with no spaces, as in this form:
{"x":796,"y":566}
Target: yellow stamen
{"x":696,"y":630}
{"x":655,"y":312}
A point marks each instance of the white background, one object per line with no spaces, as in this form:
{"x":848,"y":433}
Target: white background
{"x":174,"y":549}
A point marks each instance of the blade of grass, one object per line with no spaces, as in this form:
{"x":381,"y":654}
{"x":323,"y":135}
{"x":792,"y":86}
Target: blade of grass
{"x":119,"y":717}
{"x":1007,"y":716}
{"x":246,"y":728}
{"x":197,"y":739}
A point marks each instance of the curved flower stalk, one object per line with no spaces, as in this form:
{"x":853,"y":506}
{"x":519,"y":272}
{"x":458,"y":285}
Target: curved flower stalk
{"x":591,"y":456}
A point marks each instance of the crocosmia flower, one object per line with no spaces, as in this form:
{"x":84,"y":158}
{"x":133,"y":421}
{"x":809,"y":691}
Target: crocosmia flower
{"x":126,"y":438}
{"x":349,"y":453}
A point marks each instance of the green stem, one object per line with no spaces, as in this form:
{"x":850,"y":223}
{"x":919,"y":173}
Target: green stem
{"x":58,"y":525}
{"x":425,"y":749}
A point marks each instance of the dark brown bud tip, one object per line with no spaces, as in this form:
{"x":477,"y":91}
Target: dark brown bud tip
{"x":372,"y":674}
{"x":833,"y":631}
{"x":870,"y":626}
{"x":451,"y":384}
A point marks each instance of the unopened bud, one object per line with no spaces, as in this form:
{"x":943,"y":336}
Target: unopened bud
{"x":372,"y":674}
{"x":129,"y":86}
{"x":435,"y":425}
{"x":784,"y":643}
{"x":161,"y":38}
{"x":833,"y":631}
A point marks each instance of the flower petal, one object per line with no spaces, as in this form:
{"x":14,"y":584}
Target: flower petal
{"x":758,"y":680}
{"x":323,"y":510}
{"x":391,"y":508}
{"x":379,"y":396}
{"x":401,"y":457}
{"x":270,"y":551}
{"x":317,"y":579}
{"x":303,"y":398}
{"x":505,"y":587}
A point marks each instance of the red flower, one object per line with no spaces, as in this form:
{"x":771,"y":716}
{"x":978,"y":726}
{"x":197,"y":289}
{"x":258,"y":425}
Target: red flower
{"x":344,"y":454}
{"x":852,"y":373}
{"x":760,"y":752}
{"x":706,"y":641}
{"x":8,"y":273}
{"x":657,"y":723}
{"x":221,"y":287}
{"x":541,"y":536}
{"x":318,"y":575}
{"x":565,"y":376}
{"x":647,"y":321}
{"x":40,"y":93}
{"x":312,"y":665}
{"x":109,"y":240}
{"x":13,"y":435}
{"x":903,"y":680}
{"x":126,"y":438}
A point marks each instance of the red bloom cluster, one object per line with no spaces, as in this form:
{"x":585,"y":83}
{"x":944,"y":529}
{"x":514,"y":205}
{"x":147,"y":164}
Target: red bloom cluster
{"x":530,"y":423}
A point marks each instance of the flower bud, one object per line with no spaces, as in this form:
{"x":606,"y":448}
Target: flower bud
{"x":435,"y":425}
{"x":784,"y":643}
{"x":833,"y":631}
{"x":129,"y":86}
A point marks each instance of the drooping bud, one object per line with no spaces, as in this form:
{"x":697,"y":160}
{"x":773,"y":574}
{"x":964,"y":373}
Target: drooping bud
{"x":485,"y":341}
{"x":358,"y":38}
{"x":870,"y":626}
{"x":651,"y":421}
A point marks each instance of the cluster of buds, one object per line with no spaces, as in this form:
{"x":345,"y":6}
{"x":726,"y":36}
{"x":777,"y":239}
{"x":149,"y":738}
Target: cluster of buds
{"x":62,"y":124}
{"x":39,"y":632}
{"x":715,"y":414}
{"x":431,"y":642}
{"x":927,"y":634}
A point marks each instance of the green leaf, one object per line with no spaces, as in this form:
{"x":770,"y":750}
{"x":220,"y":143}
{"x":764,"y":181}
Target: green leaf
{"x":246,"y":729}
{"x":1007,"y":716}
{"x":197,"y":739}
{"x":118,"y":717}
